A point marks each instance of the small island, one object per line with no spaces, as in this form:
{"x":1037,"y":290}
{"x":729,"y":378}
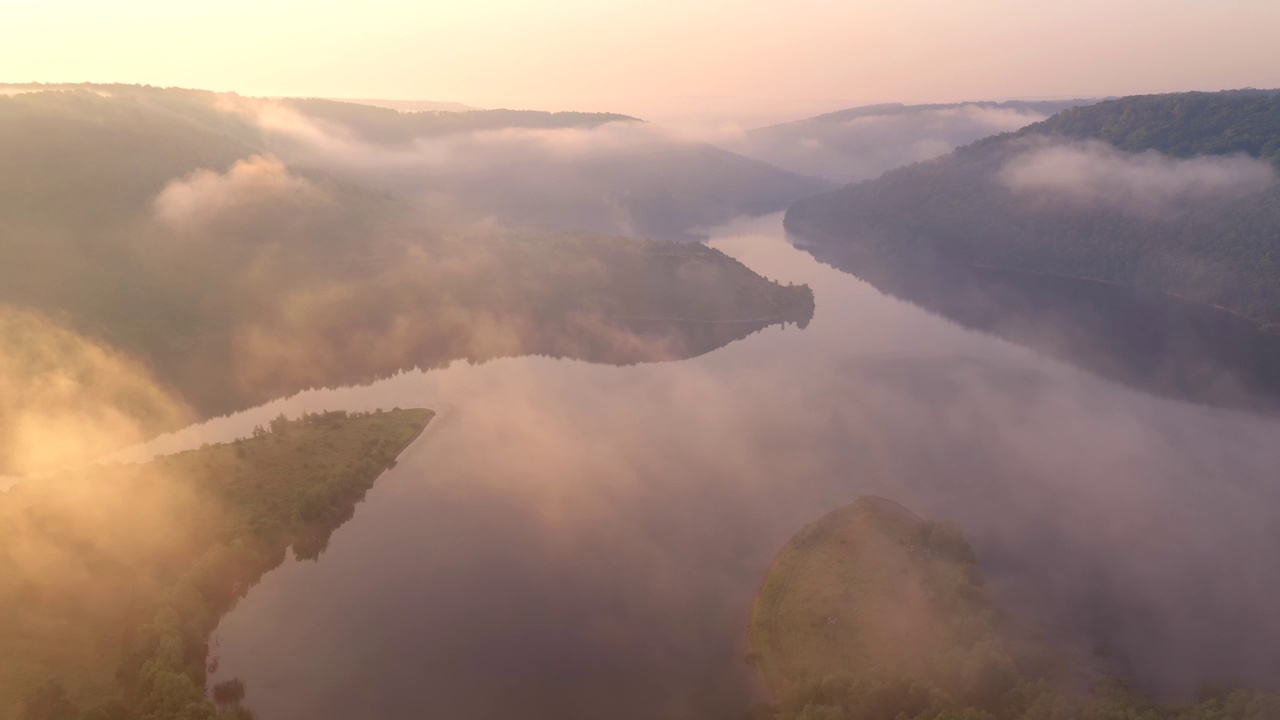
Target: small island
{"x":873,"y":613}
{"x":114,"y":576}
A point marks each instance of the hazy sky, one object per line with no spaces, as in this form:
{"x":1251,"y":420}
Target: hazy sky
{"x":622,"y":54}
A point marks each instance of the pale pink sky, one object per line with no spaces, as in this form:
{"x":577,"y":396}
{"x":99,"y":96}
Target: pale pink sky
{"x":645,"y":55}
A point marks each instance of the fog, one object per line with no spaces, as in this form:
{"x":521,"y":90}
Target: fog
{"x":631,"y":421}
{"x":65,"y":399}
{"x":206,"y":196}
{"x":242,"y":262}
{"x":1091,"y":175}
{"x":621,"y":519}
{"x":610,"y":174}
{"x":861,"y":143}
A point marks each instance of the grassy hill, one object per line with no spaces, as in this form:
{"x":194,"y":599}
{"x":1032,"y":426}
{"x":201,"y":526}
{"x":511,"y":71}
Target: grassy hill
{"x":1175,"y":193}
{"x":872,"y":613}
{"x":113,"y":577}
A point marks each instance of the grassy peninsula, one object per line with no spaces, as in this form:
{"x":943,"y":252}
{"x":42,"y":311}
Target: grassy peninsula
{"x":873,"y":613}
{"x":113,"y":577}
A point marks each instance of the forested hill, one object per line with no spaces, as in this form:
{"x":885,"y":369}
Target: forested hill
{"x":156,"y":241}
{"x":1179,"y":125}
{"x":1176,"y":193}
{"x":592,"y":172}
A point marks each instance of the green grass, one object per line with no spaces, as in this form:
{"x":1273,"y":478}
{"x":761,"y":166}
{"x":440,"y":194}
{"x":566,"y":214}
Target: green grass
{"x":112,"y":578}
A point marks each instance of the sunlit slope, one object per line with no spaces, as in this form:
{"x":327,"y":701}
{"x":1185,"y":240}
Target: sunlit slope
{"x":65,"y":399}
{"x":1176,"y":193}
{"x":112,"y":578}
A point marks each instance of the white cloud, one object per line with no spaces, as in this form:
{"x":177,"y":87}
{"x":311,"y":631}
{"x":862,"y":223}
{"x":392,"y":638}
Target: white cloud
{"x":205,"y":195}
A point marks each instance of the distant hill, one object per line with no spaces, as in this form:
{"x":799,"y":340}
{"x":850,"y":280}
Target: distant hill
{"x":393,"y":127}
{"x":581,"y":172}
{"x":1175,"y":193}
{"x":564,"y":171}
{"x":170,"y":254}
{"x":411,"y":105}
{"x":863,"y":142}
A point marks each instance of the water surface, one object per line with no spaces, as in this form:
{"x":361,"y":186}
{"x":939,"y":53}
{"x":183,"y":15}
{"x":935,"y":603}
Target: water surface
{"x":580,"y":541}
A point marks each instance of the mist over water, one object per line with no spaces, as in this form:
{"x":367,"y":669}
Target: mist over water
{"x":573,"y":540}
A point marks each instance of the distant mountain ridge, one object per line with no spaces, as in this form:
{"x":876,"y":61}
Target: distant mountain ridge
{"x":563,"y":171}
{"x":1046,"y":107}
{"x":411,"y":105}
{"x":387,"y":125}
{"x":1176,"y":193}
{"x":860,"y":143}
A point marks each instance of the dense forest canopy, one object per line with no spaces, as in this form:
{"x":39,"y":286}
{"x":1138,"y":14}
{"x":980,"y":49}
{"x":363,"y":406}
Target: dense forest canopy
{"x":873,"y":613}
{"x":1175,"y":193}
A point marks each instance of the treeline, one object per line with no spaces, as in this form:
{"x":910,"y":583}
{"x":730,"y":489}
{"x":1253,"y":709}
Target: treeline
{"x":115,"y":626}
{"x":1216,"y":248}
{"x":1179,"y":124}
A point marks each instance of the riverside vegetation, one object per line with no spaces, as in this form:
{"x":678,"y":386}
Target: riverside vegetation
{"x":113,"y":577}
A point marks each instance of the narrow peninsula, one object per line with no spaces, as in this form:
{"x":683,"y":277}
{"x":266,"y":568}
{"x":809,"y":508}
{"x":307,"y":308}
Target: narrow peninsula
{"x":113,"y":577}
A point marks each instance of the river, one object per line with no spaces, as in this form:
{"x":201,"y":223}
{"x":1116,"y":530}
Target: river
{"x":575,"y":540}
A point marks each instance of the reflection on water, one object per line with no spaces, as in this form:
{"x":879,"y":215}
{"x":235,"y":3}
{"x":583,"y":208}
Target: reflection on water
{"x":1158,"y":343}
{"x":583,"y":541}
